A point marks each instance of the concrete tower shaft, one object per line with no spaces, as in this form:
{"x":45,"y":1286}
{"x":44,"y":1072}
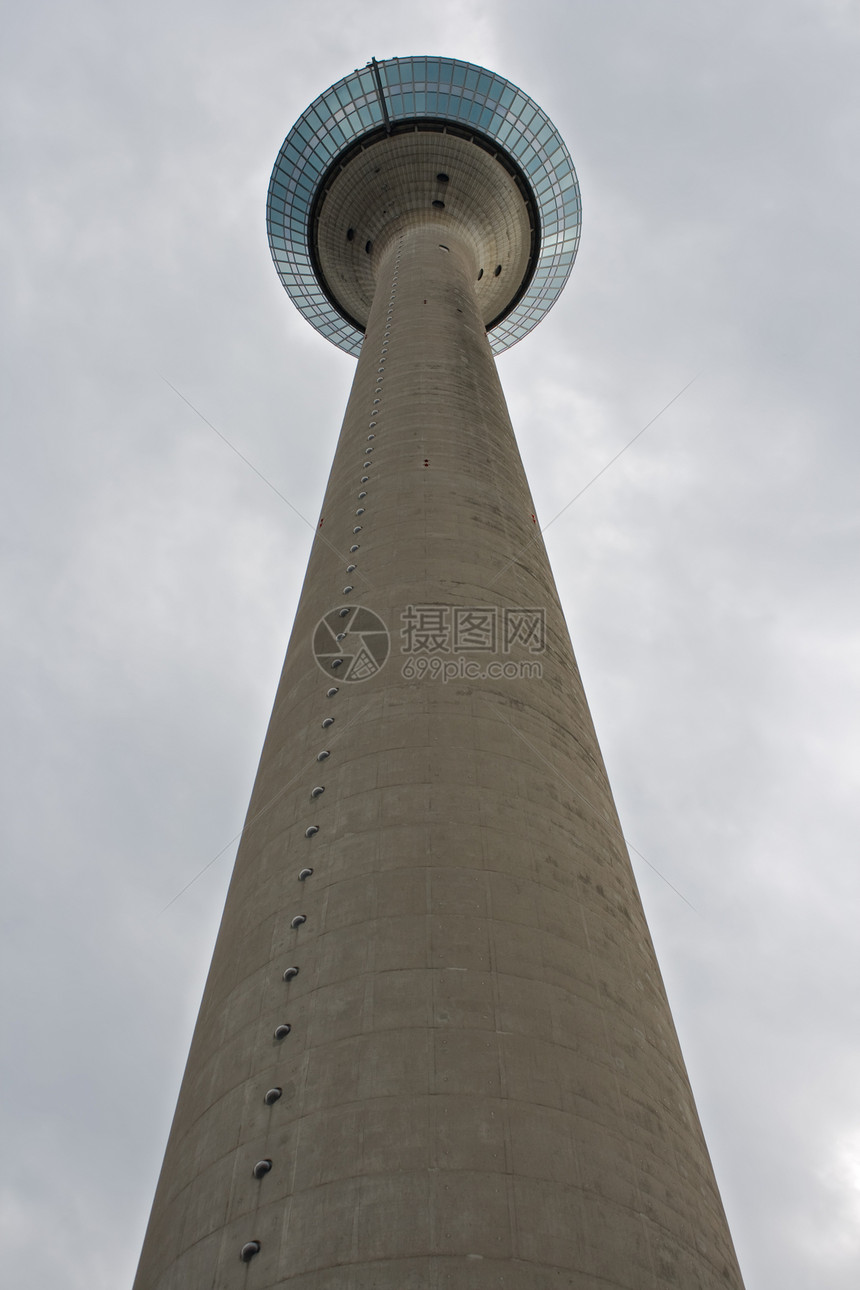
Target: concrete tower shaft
{"x":481,"y":1079}
{"x":434,"y":1048}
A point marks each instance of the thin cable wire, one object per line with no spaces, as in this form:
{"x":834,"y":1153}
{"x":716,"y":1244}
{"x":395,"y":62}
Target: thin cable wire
{"x":249,"y":824}
{"x":591,"y":481}
{"x":316,"y":528}
{"x":614,"y":827}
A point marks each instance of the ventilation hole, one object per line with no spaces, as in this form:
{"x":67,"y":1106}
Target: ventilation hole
{"x":361,"y":496}
{"x":317,"y":791}
{"x":350,"y":568}
{"x":344,"y":613}
{"x":497,"y":270}
{"x":249,"y":1249}
{"x":480,"y":274}
{"x":304,"y":873}
{"x":368,"y":247}
{"x":272,"y":1096}
{"x":291,"y":974}
{"x":442,"y":177}
{"x":371,"y":424}
{"x":381,"y":369}
{"x":283,"y":1030}
{"x":329,"y":721}
{"x":311,"y":830}
{"x":366,"y":465}
{"x":440,"y":206}
{"x":350,"y":234}
{"x":443,"y":248}
{"x":329,"y":694}
{"x":321,"y":756}
{"x":376,"y":400}
{"x":341,"y":636}
{"x":347,"y":589}
{"x":371,"y":436}
{"x":357,"y":528}
{"x":336,"y":663}
{"x":354,"y":548}
{"x":297,"y":921}
{"x":365,"y":479}
{"x":360,"y":510}
{"x":261,"y":1168}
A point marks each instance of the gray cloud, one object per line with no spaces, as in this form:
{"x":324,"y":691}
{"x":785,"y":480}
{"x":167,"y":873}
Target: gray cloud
{"x":709,"y":576}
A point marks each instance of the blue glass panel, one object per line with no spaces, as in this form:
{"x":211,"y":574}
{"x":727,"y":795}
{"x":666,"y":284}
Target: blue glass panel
{"x":485,"y":101}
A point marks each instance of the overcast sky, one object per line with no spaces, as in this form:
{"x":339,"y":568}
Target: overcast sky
{"x":710,"y":576}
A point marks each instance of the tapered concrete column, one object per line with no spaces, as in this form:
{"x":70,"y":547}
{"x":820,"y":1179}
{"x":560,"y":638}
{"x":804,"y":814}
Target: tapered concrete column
{"x":481,"y":1085}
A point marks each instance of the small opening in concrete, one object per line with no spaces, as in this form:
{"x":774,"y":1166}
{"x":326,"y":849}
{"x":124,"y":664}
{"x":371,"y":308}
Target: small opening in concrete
{"x":350,"y":568}
{"x":329,"y":694}
{"x":368,"y":246}
{"x":365,"y":478}
{"x":283,"y":1030}
{"x":357,"y":528}
{"x":249,"y":1249}
{"x":261,"y":1168}
{"x":440,"y":206}
{"x":354,"y":548}
{"x":311,"y":830}
{"x":371,"y":436}
{"x":480,"y":274}
{"x":442,"y":177}
{"x":350,"y":234}
{"x":272,"y":1096}
{"x":343,"y":613}
{"x":341,"y":636}
{"x":304,"y":873}
{"x":497,"y":270}
{"x":360,"y":510}
{"x":317,"y":791}
{"x":336,"y":663}
{"x":329,"y":721}
{"x":297,"y":921}
{"x":347,"y":589}
{"x":321,"y":756}
{"x":443,"y":248}
{"x":291,"y":974}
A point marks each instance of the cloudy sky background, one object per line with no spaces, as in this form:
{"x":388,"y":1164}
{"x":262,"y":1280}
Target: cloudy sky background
{"x":710,"y":576}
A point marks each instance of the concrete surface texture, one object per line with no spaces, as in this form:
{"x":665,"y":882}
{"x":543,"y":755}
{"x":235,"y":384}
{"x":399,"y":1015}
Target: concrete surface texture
{"x":481,"y":1084}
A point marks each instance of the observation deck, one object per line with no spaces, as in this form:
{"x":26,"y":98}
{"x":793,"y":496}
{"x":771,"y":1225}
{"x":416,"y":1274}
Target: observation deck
{"x":406,"y":141}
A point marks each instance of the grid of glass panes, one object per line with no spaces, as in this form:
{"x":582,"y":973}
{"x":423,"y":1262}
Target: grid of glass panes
{"x":448,"y":90}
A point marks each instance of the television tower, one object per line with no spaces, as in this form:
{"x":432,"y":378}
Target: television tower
{"x":434,"y":1048}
